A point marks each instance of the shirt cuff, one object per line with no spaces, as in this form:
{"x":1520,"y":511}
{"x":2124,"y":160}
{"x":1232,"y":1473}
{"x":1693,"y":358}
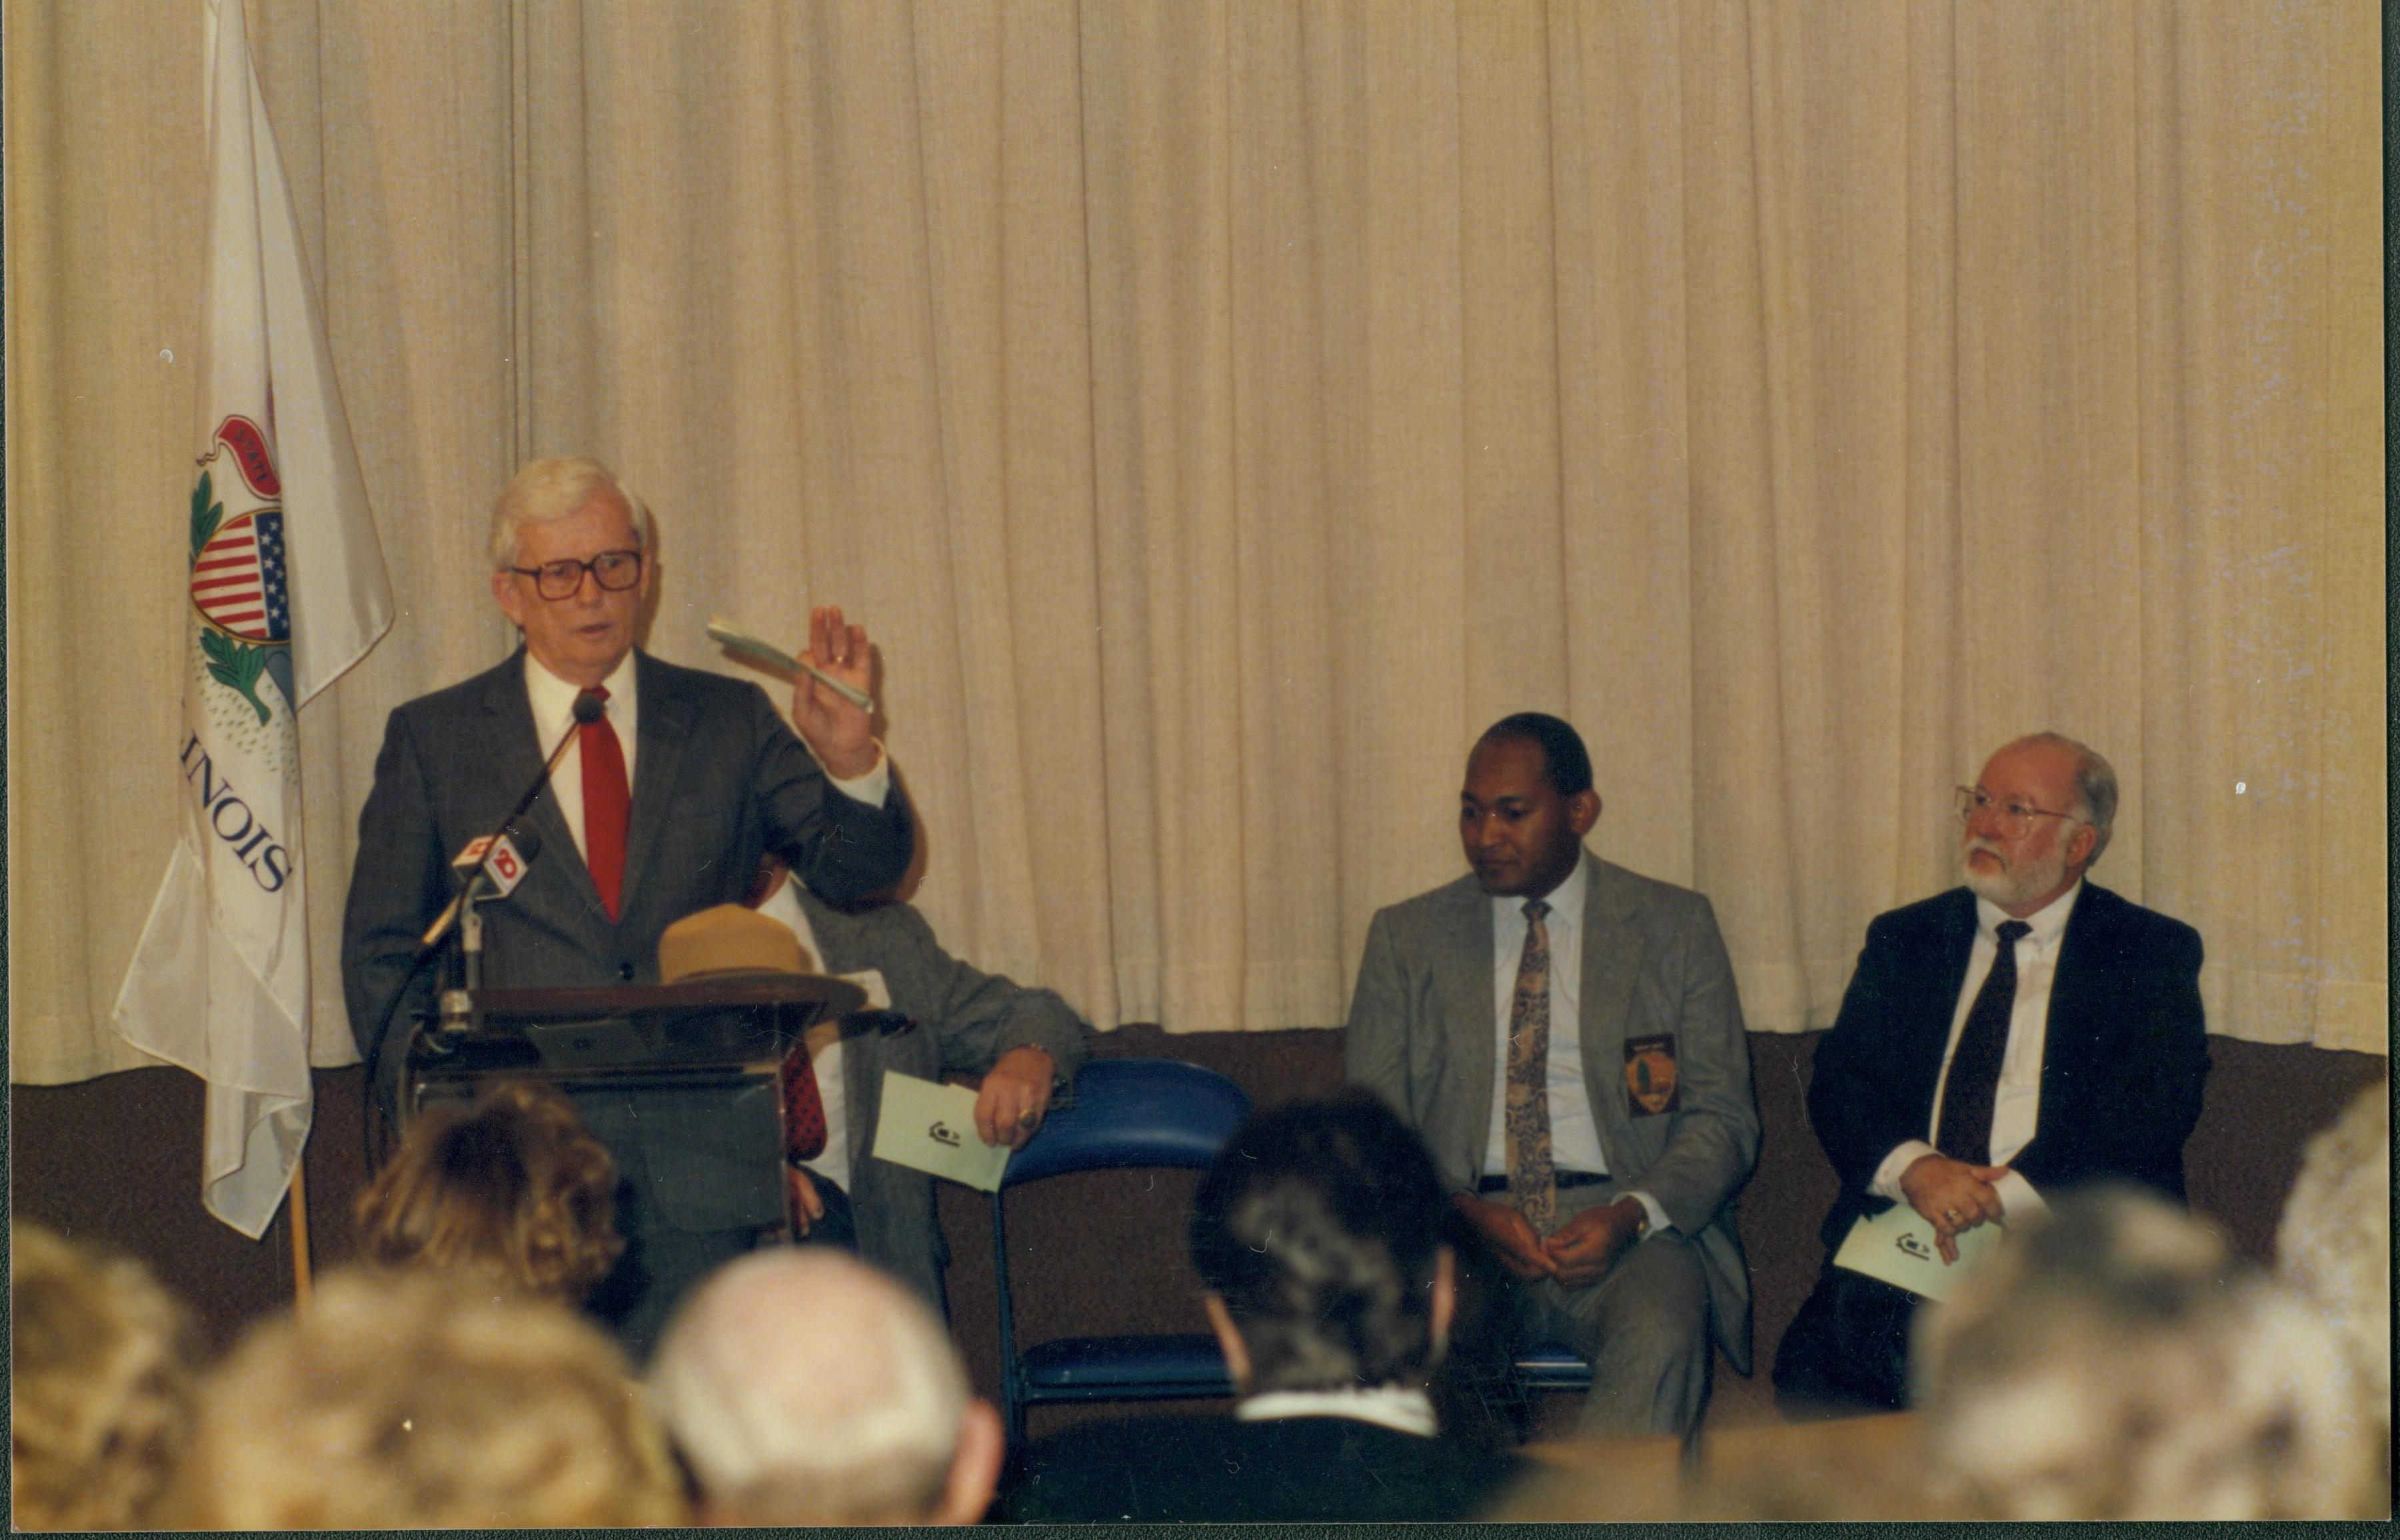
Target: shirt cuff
{"x":1888,"y":1175}
{"x":870,"y":788}
{"x":1659,"y":1219}
{"x":2018,"y":1200}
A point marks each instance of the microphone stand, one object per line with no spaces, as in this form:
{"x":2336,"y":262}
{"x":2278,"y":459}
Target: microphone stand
{"x":456,"y":1013}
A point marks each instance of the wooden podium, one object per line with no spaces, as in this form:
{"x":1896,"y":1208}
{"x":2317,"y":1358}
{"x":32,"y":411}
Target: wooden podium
{"x":728,"y":1035}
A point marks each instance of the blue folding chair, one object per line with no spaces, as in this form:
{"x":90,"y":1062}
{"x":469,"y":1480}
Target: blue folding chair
{"x":1552,"y":1368}
{"x":1126,"y":1112}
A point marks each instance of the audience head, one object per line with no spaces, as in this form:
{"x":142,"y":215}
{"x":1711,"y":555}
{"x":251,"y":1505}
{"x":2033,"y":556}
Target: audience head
{"x":2114,"y":1363}
{"x":2063,"y":797}
{"x":405,"y":1400}
{"x":510,"y":1189}
{"x":2336,"y":1240}
{"x":1526,"y":804}
{"x":804,"y":1387}
{"x":1318,"y":1233}
{"x":99,"y":1386}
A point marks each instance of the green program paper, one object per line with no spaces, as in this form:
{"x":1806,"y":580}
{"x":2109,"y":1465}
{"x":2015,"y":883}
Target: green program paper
{"x":931,"y":1127}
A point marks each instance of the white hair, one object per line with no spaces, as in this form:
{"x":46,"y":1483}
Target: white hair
{"x":554,"y":488}
{"x":806,"y":1388}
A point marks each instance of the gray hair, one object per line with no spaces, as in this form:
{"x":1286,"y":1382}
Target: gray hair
{"x":554,"y":488}
{"x":853,"y":1418}
{"x":2095,"y":786}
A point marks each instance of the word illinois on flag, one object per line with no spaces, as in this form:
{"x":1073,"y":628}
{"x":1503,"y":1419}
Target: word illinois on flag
{"x":287,"y":591}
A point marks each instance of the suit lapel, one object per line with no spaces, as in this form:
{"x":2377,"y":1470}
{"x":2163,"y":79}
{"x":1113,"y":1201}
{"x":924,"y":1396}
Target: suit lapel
{"x":1939,"y":1004}
{"x":1612,"y":960}
{"x":516,"y":757}
{"x":1463,"y":973}
{"x":666,"y":722}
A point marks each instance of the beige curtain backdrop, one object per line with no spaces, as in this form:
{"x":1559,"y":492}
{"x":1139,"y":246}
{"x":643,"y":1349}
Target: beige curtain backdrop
{"x":1220,"y":411}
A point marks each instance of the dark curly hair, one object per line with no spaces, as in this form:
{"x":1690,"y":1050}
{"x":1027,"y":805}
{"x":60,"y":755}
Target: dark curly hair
{"x":1320,"y":1225}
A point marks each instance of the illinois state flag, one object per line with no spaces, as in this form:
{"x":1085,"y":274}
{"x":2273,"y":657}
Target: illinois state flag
{"x":286,"y":592}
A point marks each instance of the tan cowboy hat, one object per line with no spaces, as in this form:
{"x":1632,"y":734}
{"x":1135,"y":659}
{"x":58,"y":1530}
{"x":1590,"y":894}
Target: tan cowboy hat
{"x":729,"y":941}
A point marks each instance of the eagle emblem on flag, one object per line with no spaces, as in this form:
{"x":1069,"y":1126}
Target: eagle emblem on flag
{"x":240,"y":584}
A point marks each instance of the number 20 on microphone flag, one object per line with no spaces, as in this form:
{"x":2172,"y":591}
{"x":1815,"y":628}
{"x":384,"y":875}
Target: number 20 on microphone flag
{"x":287,"y":591}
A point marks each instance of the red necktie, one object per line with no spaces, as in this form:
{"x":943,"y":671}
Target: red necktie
{"x":607,"y":805}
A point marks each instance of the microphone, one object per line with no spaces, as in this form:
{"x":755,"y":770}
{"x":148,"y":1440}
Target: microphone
{"x":481,"y":857}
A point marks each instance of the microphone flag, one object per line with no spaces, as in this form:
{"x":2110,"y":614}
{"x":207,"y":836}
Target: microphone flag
{"x":288,"y":591}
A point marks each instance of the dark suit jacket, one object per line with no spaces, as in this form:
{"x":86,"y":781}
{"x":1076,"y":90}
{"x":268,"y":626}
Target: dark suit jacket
{"x":1218,"y":1470}
{"x":966,"y":1021}
{"x":1422,"y":1034}
{"x":718,"y":780}
{"x":2125,"y":1056}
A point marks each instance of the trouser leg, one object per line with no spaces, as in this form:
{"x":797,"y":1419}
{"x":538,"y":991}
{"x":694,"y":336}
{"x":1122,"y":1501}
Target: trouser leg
{"x":1643,"y":1328}
{"x":1847,"y":1352}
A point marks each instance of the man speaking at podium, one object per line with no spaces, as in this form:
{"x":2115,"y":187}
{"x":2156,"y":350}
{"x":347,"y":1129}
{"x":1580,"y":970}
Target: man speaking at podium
{"x":662,"y":809}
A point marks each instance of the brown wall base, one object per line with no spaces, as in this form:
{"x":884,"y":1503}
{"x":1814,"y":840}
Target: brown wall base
{"x":117,"y":1160}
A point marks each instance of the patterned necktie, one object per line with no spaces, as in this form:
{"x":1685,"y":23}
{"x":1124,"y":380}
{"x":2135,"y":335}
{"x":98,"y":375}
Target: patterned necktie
{"x":1974,"y":1083}
{"x":1533,"y":1183}
{"x":607,"y":805}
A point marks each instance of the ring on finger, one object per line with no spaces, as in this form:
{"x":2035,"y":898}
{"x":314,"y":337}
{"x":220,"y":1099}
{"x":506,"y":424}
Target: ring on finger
{"x":1027,"y":1118}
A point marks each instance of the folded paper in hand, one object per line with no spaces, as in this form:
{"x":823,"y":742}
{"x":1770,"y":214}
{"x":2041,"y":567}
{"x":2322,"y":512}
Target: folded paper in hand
{"x":931,"y":1127}
{"x":1897,"y":1246}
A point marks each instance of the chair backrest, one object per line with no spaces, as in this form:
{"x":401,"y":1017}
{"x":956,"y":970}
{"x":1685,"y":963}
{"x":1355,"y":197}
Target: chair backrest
{"x":1134,"y":1113}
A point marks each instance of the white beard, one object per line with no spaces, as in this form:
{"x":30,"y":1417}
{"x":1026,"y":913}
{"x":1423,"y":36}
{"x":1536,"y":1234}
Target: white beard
{"x":2017,"y":885}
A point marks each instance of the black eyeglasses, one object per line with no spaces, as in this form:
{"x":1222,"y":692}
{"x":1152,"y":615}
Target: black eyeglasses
{"x":614,"y":570}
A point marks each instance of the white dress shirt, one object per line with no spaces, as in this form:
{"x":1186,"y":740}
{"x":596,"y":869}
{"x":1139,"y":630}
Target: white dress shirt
{"x":1574,"y":1136}
{"x":2016,"y":1107}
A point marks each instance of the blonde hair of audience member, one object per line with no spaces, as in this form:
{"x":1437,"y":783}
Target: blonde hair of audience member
{"x":556,"y":488}
{"x":511,"y":1187}
{"x":409,"y":1401}
{"x":803,"y":1388}
{"x":2114,"y":1363}
{"x":100,"y":1387}
{"x":2335,"y":1244}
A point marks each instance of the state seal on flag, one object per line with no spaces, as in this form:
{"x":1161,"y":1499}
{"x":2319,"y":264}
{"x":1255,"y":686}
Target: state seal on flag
{"x":240,"y":582}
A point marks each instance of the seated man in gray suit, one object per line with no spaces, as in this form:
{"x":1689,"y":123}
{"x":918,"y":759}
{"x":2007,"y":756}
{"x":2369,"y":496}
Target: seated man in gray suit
{"x":1024,"y":1043}
{"x":662,"y":807}
{"x":1600,"y":1162}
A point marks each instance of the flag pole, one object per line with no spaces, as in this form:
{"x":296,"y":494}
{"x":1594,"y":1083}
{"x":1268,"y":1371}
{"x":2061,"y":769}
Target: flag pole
{"x":301,"y":1278}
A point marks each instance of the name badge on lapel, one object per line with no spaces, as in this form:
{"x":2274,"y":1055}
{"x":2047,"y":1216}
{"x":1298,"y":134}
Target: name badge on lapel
{"x":1650,"y":1077}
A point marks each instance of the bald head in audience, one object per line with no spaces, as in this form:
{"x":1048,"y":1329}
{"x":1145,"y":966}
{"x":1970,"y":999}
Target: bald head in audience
{"x":804,"y":1387}
{"x":411,"y":1400}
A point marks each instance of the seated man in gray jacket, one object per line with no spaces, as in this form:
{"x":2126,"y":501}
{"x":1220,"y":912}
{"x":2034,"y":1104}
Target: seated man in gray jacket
{"x":1026,"y":1043}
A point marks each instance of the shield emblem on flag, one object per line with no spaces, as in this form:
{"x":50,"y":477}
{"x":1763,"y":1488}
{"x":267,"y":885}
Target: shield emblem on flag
{"x":238,"y":581}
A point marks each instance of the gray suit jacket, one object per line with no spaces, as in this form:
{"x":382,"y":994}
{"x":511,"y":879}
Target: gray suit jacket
{"x":1421,"y":1035}
{"x":966,"y":1021}
{"x":719,"y":780}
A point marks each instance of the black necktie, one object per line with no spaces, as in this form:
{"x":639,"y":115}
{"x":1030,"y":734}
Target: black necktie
{"x":1974,"y":1083}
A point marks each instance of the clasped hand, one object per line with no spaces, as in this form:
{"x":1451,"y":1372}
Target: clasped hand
{"x":1953,"y":1196}
{"x":1579,"y":1252}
